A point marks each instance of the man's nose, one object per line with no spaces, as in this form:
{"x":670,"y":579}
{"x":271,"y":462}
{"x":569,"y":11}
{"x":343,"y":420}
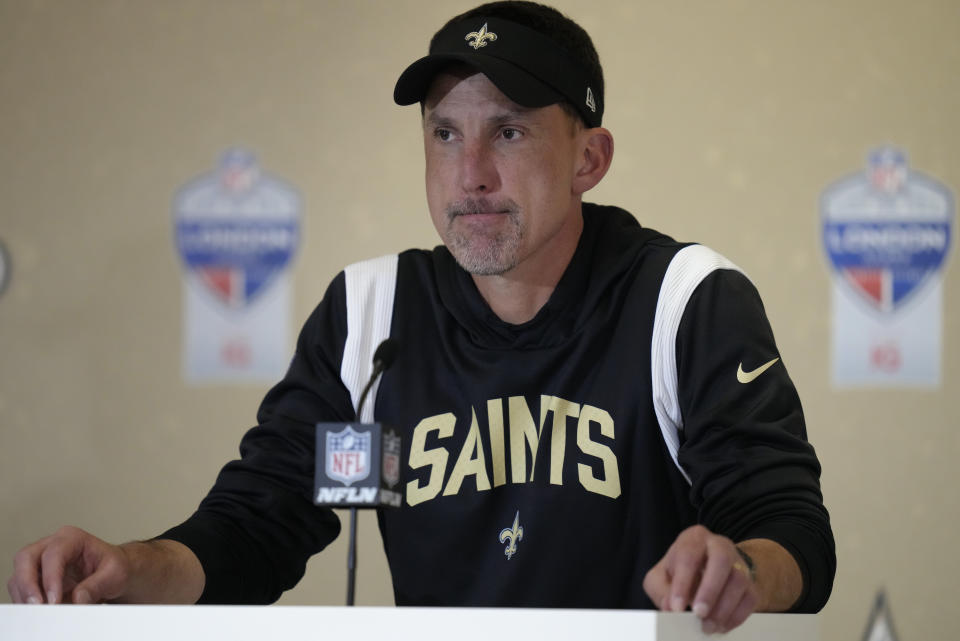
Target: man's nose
{"x":479,"y":173}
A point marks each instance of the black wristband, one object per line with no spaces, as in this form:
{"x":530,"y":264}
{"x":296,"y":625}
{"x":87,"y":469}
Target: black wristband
{"x":748,"y":561}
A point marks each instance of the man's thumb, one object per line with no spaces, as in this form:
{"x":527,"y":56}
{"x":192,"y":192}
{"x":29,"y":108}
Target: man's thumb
{"x":82,"y":595}
{"x":102,"y":585}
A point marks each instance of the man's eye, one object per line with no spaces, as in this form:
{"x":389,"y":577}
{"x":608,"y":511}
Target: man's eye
{"x":443,"y":134}
{"x":510,"y":133}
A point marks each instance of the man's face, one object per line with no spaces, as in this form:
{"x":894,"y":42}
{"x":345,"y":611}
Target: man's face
{"x":498,"y":175}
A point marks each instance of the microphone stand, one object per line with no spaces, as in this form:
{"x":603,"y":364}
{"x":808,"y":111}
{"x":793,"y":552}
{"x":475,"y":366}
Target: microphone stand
{"x":378,"y":367}
{"x":352,"y":557}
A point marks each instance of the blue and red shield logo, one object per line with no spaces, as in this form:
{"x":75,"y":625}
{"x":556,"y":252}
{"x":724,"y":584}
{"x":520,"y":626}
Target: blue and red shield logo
{"x":348,"y":455}
{"x":887,"y":230}
{"x":236,"y":228}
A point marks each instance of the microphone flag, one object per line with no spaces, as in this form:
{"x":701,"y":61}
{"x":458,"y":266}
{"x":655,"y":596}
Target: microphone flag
{"x":358,"y":465}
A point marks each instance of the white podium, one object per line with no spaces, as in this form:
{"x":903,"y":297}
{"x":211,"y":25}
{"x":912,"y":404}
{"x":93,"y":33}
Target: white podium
{"x":266,"y":623}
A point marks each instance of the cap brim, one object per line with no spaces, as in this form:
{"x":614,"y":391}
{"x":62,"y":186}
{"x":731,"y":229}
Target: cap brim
{"x":515,"y":83}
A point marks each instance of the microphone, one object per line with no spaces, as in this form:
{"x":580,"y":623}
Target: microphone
{"x":358,"y":464}
{"x":383,"y":358}
{"x":385,"y":355}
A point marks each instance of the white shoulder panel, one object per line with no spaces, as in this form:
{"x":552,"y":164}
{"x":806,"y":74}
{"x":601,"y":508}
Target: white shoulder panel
{"x":686,"y":271}
{"x":370,"y":288}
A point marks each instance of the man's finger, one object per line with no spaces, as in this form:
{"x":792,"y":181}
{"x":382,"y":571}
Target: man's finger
{"x":13,"y":591}
{"x":52,"y":566}
{"x":716,"y":572}
{"x":59,"y":551}
{"x":728,"y":600}
{"x":685,"y":566}
{"x":25,"y":575}
{"x":656,"y":584}
{"x":743,"y":610}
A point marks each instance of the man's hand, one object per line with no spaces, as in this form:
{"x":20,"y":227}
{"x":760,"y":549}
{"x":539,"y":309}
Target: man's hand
{"x":73,"y":566}
{"x":706,"y":572}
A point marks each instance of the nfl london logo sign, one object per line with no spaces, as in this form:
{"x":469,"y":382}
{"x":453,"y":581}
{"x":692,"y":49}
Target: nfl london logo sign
{"x":887,"y":233}
{"x":236,"y":230}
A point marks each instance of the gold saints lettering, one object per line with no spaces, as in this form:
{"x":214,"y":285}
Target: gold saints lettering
{"x":435,"y":458}
{"x":511,"y":427}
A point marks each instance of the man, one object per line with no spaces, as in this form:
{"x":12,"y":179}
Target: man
{"x":594,"y":414}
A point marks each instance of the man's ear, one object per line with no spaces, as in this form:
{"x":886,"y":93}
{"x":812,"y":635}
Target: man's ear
{"x":594,"y":160}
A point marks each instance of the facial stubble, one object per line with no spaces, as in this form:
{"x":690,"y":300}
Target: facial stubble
{"x":485,"y":252}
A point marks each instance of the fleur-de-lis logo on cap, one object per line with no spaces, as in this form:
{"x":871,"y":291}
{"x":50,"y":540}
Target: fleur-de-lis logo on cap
{"x":480,"y":38}
{"x":512,"y":534}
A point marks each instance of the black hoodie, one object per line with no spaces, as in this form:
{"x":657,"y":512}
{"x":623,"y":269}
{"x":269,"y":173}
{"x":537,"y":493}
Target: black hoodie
{"x":572,"y":427}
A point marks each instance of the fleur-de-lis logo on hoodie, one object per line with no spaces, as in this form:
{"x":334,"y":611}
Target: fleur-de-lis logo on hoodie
{"x":512,"y":534}
{"x":480,"y":38}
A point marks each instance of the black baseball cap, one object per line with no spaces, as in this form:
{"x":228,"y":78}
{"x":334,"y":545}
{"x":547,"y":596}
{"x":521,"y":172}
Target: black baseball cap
{"x":527,"y":66}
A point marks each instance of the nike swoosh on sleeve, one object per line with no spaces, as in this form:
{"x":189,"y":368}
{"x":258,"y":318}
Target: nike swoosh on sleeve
{"x":746,"y":377}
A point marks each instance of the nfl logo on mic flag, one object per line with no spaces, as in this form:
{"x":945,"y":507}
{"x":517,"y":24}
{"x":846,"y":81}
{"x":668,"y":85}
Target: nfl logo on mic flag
{"x":357,"y":465}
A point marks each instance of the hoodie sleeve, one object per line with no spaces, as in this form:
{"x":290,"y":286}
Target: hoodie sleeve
{"x":256,"y":528}
{"x":744,"y":442}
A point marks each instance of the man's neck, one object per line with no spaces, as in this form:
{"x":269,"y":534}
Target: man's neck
{"x":517,"y":295}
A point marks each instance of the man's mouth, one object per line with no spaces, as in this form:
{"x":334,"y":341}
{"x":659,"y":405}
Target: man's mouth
{"x":480,"y":207}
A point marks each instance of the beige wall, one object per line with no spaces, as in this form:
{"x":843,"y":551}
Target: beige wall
{"x":730,"y":117}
